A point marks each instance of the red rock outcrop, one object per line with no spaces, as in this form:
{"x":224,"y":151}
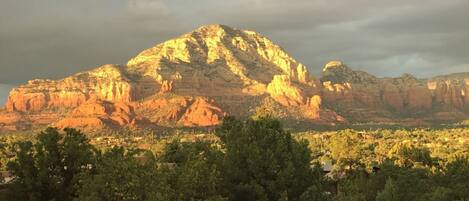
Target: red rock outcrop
{"x":98,"y":114}
{"x":10,"y":121}
{"x":166,"y":86}
{"x":449,"y":93}
{"x":406,"y":94}
{"x":283,"y":91}
{"x":202,"y":112}
{"x":107,"y":82}
{"x":392,"y":96}
{"x":165,"y":110}
{"x":419,"y":98}
{"x":356,"y":93}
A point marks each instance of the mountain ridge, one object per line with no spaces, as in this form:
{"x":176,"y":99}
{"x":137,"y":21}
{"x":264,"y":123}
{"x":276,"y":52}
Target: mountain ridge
{"x":198,"y":78}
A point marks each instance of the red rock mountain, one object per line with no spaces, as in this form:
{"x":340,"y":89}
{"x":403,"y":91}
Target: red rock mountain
{"x":359,"y":95}
{"x":200,"y":77}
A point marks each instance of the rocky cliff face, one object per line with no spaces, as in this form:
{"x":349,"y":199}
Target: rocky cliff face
{"x":451,"y":91}
{"x":107,"y":82}
{"x":355,"y":92}
{"x":193,"y":80}
{"x":200,"y":77}
{"x":98,"y":114}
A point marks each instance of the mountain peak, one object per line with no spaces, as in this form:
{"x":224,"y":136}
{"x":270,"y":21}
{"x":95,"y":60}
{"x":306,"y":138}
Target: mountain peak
{"x":221,"y":52}
{"x":333,"y":64}
{"x":214,"y":28}
{"x":338,"y":72}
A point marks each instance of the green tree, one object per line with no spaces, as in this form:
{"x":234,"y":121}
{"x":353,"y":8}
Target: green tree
{"x":347,"y":148}
{"x":195,"y":170}
{"x":314,"y":193}
{"x":263,"y":162}
{"x":390,"y":192}
{"x":120,"y":176}
{"x":356,"y":187}
{"x":452,"y":183}
{"x":413,"y":156}
{"x":48,"y":169}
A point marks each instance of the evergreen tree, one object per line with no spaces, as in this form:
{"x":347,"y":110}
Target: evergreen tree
{"x":389,"y":193}
{"x":264,"y":162}
{"x":48,"y":169}
{"x":194,"y":171}
{"x":119,"y":176}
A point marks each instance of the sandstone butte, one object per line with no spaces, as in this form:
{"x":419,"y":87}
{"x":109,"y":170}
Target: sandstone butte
{"x":197,"y":79}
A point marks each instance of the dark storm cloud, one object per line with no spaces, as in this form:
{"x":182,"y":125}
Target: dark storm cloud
{"x":55,"y":38}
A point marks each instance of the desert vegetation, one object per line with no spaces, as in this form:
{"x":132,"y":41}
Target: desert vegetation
{"x":240,"y":160}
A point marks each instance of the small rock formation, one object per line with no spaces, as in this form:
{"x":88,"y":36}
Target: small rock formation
{"x":10,"y":121}
{"x":166,"y":87}
{"x":203,"y":113}
{"x":313,"y":107}
{"x":164,"y":110}
{"x":98,"y":114}
{"x":283,"y":91}
{"x":337,"y":72}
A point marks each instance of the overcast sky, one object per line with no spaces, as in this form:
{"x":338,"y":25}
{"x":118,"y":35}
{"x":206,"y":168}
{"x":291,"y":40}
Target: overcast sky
{"x":55,"y":38}
{"x":4,"y":89}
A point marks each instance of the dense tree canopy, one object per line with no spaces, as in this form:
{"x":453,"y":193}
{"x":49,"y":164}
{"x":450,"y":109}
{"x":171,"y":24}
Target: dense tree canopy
{"x":255,"y":159}
{"x":264,"y":162}
{"x":49,"y":168}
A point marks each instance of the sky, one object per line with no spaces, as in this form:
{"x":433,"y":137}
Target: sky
{"x":4,"y":90}
{"x":55,"y":38}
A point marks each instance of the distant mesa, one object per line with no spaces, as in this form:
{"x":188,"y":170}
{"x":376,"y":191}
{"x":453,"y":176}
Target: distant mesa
{"x":198,"y":78}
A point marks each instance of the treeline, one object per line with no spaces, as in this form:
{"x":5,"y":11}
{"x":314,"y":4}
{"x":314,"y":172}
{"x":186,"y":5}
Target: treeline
{"x":253,"y":160}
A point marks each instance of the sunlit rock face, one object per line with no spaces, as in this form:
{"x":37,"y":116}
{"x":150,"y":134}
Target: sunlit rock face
{"x":107,"y":82}
{"x":217,"y":54}
{"x":283,"y":91}
{"x":376,"y":99}
{"x":412,"y":95}
{"x":197,"y":79}
{"x":235,"y":68}
{"x":99,"y":114}
{"x":202,"y":112}
{"x":451,"y":91}
{"x":348,"y":88}
{"x":186,"y":111}
{"x":192,"y":80}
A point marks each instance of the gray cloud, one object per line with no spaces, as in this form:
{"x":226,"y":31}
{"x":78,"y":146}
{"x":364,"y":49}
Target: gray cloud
{"x":4,"y":90}
{"x":55,"y":38}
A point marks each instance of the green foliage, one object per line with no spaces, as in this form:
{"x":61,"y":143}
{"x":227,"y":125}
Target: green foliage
{"x":118,"y":175}
{"x":389,"y":193}
{"x":453,"y":181}
{"x":347,"y":149}
{"x":48,"y":169}
{"x":194,"y":169}
{"x":246,"y":160}
{"x":409,"y":156}
{"x":420,"y":163}
{"x":264,"y":162}
{"x":314,"y":193}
